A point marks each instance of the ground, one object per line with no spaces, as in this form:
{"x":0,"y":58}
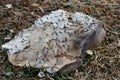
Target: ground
{"x":103,"y":65}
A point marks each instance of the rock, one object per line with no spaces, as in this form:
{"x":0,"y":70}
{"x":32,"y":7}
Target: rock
{"x":54,"y":41}
{"x":89,"y":52}
{"x":41,"y":74}
{"x":9,"y":6}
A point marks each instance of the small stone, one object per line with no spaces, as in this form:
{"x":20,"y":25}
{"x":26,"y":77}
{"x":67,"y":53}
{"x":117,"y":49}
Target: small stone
{"x":111,"y":61}
{"x":90,"y":52}
{"x":41,"y":74}
{"x":9,"y":6}
{"x":11,"y":30}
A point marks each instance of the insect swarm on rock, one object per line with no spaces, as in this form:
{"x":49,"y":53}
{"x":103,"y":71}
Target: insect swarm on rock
{"x":57,"y":46}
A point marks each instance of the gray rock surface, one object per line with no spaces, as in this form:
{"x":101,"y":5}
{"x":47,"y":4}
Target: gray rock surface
{"x":54,"y":40}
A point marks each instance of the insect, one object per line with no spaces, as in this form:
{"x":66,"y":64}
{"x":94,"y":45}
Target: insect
{"x":65,"y":40}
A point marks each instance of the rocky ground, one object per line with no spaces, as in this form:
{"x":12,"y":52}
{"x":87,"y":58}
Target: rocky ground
{"x":104,"y":64}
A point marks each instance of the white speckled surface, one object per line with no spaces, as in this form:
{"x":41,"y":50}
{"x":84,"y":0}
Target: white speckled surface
{"x":53,"y":40}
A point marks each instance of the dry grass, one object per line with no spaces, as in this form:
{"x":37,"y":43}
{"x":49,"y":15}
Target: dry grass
{"x":104,"y":65}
